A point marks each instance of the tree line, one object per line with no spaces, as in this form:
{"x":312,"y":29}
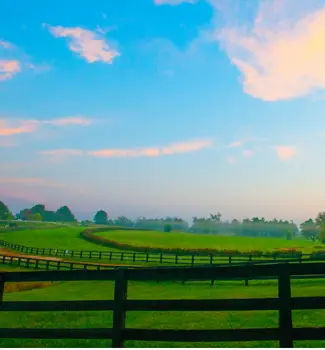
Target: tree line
{"x":312,"y":229}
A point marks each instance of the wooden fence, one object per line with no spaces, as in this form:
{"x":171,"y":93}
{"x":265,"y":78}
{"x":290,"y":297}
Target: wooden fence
{"x":285,"y":333}
{"x":157,"y":258}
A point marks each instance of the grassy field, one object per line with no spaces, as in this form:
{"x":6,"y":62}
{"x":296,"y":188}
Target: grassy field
{"x":155,"y":239}
{"x":159,"y":320}
{"x":61,"y":238}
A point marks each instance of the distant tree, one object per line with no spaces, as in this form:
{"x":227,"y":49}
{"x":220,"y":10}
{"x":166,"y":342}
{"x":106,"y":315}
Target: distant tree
{"x":5,"y":213}
{"x":38,"y":208}
{"x":64,"y":214}
{"x":123,"y":221}
{"x":86,"y":222}
{"x":309,"y":229}
{"x":49,"y":215}
{"x":24,"y":214}
{"x":167,"y":228}
{"x":101,"y":217}
{"x":320,"y":222}
{"x":35,"y":217}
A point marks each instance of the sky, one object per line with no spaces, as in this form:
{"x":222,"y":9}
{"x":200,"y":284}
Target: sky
{"x":163,"y":107}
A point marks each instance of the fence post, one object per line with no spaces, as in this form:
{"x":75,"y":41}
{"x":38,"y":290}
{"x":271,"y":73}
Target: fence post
{"x":176,"y":258}
{"x":58,"y":265}
{"x":211,"y":259}
{"x":90,"y":255}
{"x":100,"y":255}
{"x":122,"y":256}
{"x":134,"y":257}
{"x":110,"y":256}
{"x":193,"y":259}
{"x":80,"y":253}
{"x":161,"y":258}
{"x":2,"y":287}
{"x":285,"y":317}
{"x":47,"y":264}
{"x":147,"y":257}
{"x":119,"y":312}
{"x":71,"y":266}
{"x":72,"y":252}
{"x":229,"y":259}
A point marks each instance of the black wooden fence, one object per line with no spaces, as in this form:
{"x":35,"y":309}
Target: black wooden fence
{"x":159,"y":258}
{"x":285,"y":333}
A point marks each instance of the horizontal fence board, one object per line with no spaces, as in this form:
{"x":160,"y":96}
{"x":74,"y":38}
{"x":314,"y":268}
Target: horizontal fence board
{"x":203,"y":305}
{"x":201,"y":335}
{"x":308,"y":333}
{"x":70,"y":305}
{"x":308,"y":303}
{"x":56,"y":333}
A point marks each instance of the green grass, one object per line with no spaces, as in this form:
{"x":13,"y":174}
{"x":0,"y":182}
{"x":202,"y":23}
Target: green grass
{"x":159,"y":320}
{"x":174,"y":240}
{"x":58,"y":238}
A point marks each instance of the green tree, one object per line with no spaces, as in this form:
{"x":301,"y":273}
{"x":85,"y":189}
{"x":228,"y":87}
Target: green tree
{"x":167,"y":228}
{"x":101,"y":217}
{"x":320,"y":222}
{"x":35,"y":217}
{"x":24,"y":214}
{"x":5,"y":213}
{"x":309,"y":229}
{"x":64,"y":214}
{"x":123,"y":221}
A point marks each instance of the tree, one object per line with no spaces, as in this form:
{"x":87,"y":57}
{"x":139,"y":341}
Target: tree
{"x":167,"y":227}
{"x":24,"y":214}
{"x":101,"y":217}
{"x":309,"y":229}
{"x":64,"y":214}
{"x":35,"y":217}
{"x":123,"y":221}
{"x":38,"y":208}
{"x":5,"y":213}
{"x":320,"y":222}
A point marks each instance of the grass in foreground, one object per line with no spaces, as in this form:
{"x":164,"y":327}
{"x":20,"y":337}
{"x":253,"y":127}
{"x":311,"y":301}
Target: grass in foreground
{"x":159,"y":320}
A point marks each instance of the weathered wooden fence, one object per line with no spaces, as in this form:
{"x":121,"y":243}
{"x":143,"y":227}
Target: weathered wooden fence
{"x":285,"y":333}
{"x":157,"y":258}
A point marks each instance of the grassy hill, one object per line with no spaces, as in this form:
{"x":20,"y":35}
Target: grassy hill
{"x":174,"y":240}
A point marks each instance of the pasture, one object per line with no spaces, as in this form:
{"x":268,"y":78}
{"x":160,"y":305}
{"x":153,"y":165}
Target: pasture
{"x":180,"y":240}
{"x":159,"y":320}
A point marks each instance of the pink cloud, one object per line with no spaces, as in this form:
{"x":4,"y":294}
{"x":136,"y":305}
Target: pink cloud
{"x":82,"y":121}
{"x":279,"y":58}
{"x":175,"y":148}
{"x":285,"y":152}
{"x":248,"y":153}
{"x":8,"y":68}
{"x":235,"y":144}
{"x":88,"y":44}
{"x":230,"y":160}
{"x":27,"y":126}
{"x":173,"y":2}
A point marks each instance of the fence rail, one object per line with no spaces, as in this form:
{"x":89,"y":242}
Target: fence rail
{"x":285,"y":333}
{"x":158,"y":258}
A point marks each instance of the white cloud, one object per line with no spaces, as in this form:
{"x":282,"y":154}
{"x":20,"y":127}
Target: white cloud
{"x":8,"y":68}
{"x":282,"y":56}
{"x":92,"y":46}
{"x":5,"y":44}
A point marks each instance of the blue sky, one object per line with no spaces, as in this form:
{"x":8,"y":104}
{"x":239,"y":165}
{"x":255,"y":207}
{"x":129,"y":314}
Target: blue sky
{"x":163,"y":107}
